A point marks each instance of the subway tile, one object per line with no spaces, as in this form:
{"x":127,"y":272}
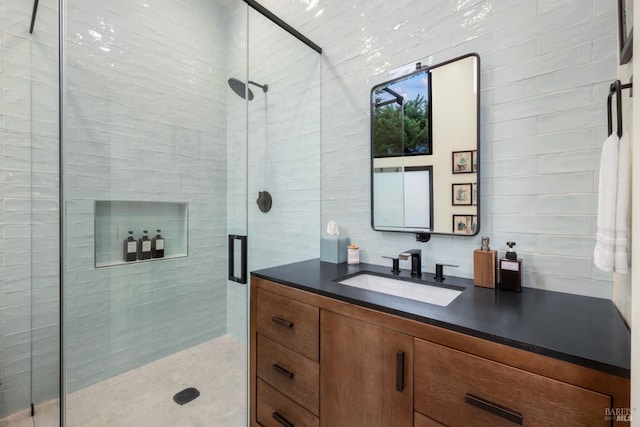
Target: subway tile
{"x":544,"y":224}
{"x":571,"y":246}
{"x":565,"y":142}
{"x":576,"y":119}
{"x":510,"y":129}
{"x":605,"y":48}
{"x":511,"y":204}
{"x":583,"y":75}
{"x":546,"y":63}
{"x":567,"y":100}
{"x":577,"y":34}
{"x":575,"y":285}
{"x":578,"y":204}
{"x":515,"y":32}
{"x":545,"y":184}
{"x":577,"y":161}
{"x":546,"y":6}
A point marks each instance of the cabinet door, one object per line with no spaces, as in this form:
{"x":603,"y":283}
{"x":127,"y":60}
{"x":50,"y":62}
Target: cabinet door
{"x":366,"y":374}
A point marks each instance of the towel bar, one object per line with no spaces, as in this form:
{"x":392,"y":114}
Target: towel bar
{"x":616,"y":88}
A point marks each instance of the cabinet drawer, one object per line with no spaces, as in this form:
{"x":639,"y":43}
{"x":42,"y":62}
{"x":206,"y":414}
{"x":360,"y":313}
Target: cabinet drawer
{"x":291,"y":373}
{"x":277,"y":410}
{"x":420,"y":420}
{"x":291,"y":323}
{"x":459,"y":389}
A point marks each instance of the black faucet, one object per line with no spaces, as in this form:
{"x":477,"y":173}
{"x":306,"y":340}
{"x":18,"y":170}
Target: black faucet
{"x":416,"y":261}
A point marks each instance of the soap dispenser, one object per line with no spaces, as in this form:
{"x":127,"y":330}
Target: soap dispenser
{"x":511,"y":270}
{"x":130,"y":248}
{"x":157,"y":245}
{"x":484,"y":265}
{"x":144,"y":246}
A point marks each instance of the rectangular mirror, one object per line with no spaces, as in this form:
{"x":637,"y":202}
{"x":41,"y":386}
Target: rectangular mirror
{"x":425,"y":150}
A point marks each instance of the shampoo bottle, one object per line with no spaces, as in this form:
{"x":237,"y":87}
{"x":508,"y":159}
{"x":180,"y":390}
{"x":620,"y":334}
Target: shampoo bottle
{"x":130,"y":248}
{"x":157,"y":245}
{"x":144,"y":246}
{"x":484,"y":265}
{"x":511,"y":270}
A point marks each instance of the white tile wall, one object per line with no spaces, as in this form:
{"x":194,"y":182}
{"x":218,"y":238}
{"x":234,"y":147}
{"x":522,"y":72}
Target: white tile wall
{"x":546,"y":67}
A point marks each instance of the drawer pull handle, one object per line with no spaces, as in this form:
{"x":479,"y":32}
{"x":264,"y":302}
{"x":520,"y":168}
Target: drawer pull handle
{"x":494,"y":408}
{"x":279,"y":369}
{"x":281,"y":322}
{"x":282,"y":420}
{"x":400,"y":370}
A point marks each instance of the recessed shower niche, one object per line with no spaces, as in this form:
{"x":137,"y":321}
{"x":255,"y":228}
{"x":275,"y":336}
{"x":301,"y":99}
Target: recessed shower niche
{"x":114,"y":219}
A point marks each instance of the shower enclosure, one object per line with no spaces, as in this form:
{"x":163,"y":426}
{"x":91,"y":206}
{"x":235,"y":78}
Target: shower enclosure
{"x":155,"y":139}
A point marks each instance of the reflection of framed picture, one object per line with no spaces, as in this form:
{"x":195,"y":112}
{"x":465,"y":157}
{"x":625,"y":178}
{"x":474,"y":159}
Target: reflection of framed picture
{"x":464,"y":224}
{"x":474,"y":161}
{"x":474,"y":194}
{"x":625,"y":30}
{"x":461,"y":194}
{"x":462,"y":162}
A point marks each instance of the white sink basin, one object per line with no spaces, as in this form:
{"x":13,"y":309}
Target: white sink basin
{"x":400,"y":288}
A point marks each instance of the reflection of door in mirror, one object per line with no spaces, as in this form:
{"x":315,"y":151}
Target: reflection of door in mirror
{"x":393,"y":186}
{"x":424,"y":143}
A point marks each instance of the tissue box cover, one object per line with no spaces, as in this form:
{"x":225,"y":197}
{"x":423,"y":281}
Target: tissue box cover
{"x":334,"y":249}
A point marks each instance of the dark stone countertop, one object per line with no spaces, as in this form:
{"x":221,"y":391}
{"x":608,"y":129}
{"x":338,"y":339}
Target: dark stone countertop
{"x":583,"y":330}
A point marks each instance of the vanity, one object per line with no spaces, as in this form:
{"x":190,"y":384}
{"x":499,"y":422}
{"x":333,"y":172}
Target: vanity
{"x":327,"y":354}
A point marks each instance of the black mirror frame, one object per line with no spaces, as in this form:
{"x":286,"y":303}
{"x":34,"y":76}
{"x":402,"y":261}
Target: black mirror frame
{"x":424,"y":236}
{"x":625,"y":36}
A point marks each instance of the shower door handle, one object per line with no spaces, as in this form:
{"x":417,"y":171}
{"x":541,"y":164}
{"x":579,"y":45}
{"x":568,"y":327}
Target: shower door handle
{"x":243,"y":258}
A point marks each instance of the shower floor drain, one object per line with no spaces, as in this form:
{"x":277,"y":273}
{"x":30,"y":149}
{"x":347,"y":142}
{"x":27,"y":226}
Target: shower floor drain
{"x":186,"y":395}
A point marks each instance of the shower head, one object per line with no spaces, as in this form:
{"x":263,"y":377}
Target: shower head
{"x":239,"y":88}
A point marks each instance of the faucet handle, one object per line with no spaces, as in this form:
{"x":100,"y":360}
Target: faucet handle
{"x":439,"y":277}
{"x":396,"y":264}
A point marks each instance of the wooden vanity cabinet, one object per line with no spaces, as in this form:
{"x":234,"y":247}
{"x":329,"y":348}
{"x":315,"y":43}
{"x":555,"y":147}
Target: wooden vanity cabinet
{"x":352,"y":366}
{"x":367,"y":374}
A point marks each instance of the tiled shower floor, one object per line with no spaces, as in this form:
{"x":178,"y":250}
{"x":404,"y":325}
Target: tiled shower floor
{"x":144,"y":396}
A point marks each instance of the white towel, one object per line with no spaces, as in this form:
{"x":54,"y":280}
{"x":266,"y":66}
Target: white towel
{"x":621,"y":255}
{"x":603,"y":253}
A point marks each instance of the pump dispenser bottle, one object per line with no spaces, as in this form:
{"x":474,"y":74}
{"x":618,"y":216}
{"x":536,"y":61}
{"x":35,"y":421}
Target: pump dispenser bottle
{"x":157,"y":245}
{"x":130,"y":248}
{"x":484,"y":265}
{"x":144,"y":246}
{"x":511,"y":270}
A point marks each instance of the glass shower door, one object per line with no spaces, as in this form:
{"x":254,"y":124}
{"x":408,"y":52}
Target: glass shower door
{"x":284,"y":147}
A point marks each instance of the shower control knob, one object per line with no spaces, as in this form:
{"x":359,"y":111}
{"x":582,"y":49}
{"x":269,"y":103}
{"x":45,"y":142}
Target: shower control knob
{"x":264,"y":201}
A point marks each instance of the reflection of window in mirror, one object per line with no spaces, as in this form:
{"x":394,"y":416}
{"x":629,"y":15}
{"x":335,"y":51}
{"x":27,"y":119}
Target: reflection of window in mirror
{"x":401,"y":114}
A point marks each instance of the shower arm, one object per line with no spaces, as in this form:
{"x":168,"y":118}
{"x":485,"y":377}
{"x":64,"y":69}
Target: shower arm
{"x":263,"y":87}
